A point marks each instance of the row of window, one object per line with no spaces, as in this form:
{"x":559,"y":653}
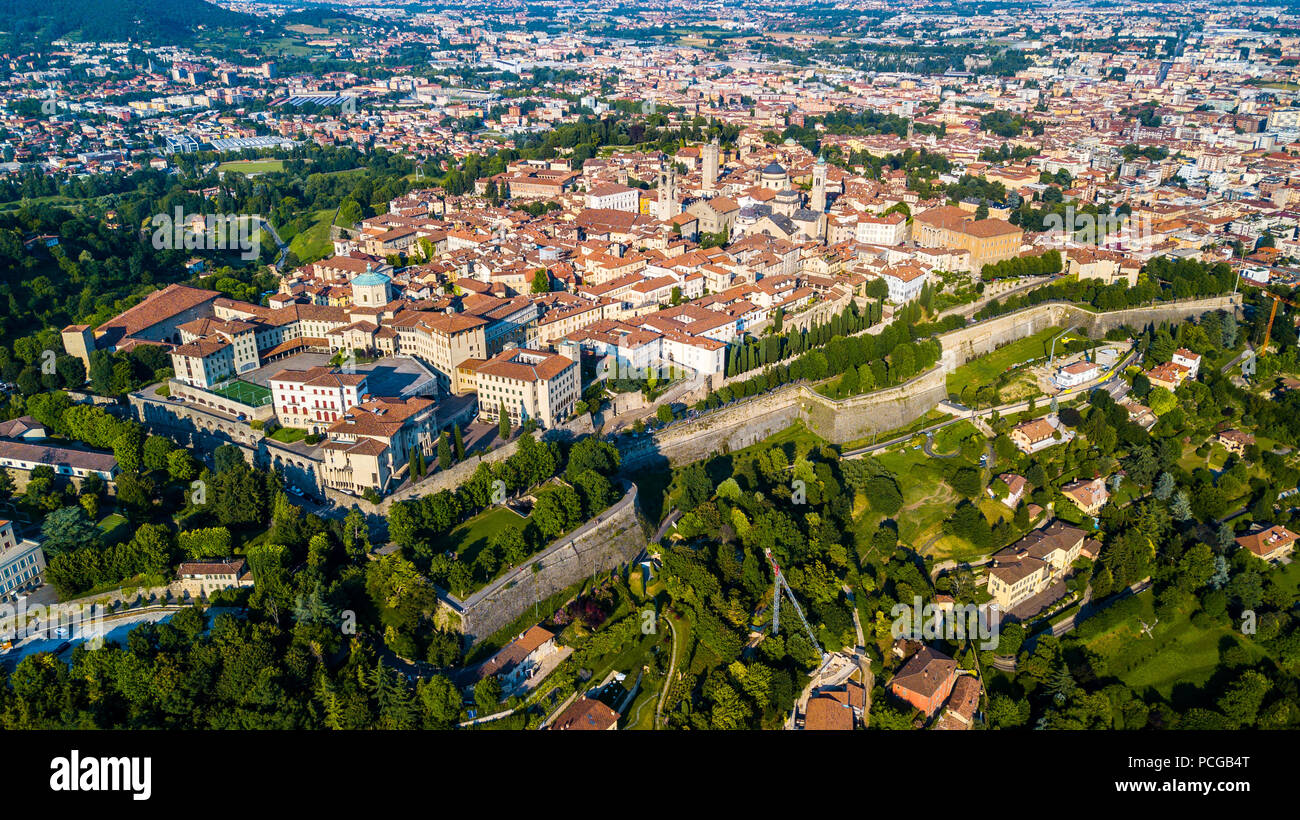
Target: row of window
{"x":18,"y":573}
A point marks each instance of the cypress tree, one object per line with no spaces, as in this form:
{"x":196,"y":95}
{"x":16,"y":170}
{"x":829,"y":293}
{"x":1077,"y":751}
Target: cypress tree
{"x":444,"y":452}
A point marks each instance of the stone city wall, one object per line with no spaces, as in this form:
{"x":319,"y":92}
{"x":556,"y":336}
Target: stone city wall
{"x":612,"y":540}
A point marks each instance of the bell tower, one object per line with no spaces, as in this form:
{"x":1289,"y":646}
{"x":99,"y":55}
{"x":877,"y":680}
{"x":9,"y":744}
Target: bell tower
{"x":709,"y":156}
{"x":817,"y":201}
{"x":667,"y":201}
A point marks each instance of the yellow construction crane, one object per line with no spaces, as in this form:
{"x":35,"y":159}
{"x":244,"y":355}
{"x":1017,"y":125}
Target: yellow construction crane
{"x":1268,"y":332}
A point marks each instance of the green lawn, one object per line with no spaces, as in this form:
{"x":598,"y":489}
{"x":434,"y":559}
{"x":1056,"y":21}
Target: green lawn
{"x":473,"y":535}
{"x":1190,"y":460}
{"x":794,"y":441}
{"x":1176,"y":652}
{"x":289,"y":435}
{"x":641,"y":713}
{"x":314,"y":242}
{"x":949,"y":439}
{"x":56,"y":199}
{"x":253,"y":395}
{"x":252,"y":166}
{"x":987,"y":369}
{"x":113,"y":527}
{"x":927,"y":500}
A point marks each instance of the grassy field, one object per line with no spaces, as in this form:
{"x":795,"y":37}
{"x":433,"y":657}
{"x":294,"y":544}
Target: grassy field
{"x":289,"y":435}
{"x":57,"y":199}
{"x":473,"y":535}
{"x":1176,"y":653}
{"x":988,"y":369}
{"x":314,"y":242}
{"x":949,"y":439}
{"x":927,"y":500}
{"x":114,"y":527}
{"x":1217,"y":458}
{"x":795,"y":441}
{"x":252,"y":166}
{"x":253,"y":395}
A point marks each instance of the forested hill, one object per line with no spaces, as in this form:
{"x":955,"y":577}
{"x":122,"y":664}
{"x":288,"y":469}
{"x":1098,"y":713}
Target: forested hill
{"x":29,"y":22}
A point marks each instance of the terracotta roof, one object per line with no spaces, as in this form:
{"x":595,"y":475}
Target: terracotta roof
{"x":925,"y":672}
{"x":320,"y":377}
{"x":522,"y":364}
{"x":827,"y":713}
{"x":1265,"y":541}
{"x":515,"y":652}
{"x":1036,"y":429}
{"x":158,"y":307}
{"x":379,"y":418}
{"x":962,"y":703}
{"x":235,"y":567}
{"x":586,"y":714}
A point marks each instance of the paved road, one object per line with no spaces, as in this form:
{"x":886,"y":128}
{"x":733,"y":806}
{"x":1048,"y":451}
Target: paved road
{"x":1236,"y":360}
{"x":1086,"y":610}
{"x":667,"y":524}
{"x":279,"y":243}
{"x":943,"y":566}
{"x":857,"y":622}
{"x":927,"y":447}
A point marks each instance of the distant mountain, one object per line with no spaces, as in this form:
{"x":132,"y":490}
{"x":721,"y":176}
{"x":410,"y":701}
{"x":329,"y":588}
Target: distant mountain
{"x":25,"y":22}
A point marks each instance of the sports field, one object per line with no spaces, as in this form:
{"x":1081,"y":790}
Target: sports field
{"x":253,"y":395}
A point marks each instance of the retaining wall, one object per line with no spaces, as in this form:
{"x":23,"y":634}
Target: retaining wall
{"x":964,"y":344}
{"x":613,"y":541}
{"x":754,"y":419}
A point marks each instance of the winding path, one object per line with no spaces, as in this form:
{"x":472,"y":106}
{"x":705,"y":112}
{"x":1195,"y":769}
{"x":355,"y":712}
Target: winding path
{"x":668,"y":680}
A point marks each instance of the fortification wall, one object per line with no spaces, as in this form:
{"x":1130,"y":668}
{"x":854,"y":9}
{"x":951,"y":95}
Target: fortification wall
{"x":964,"y":344}
{"x":729,"y":428}
{"x":859,"y":416}
{"x":751,"y":420}
{"x":754,"y":419}
{"x":612,"y":540}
